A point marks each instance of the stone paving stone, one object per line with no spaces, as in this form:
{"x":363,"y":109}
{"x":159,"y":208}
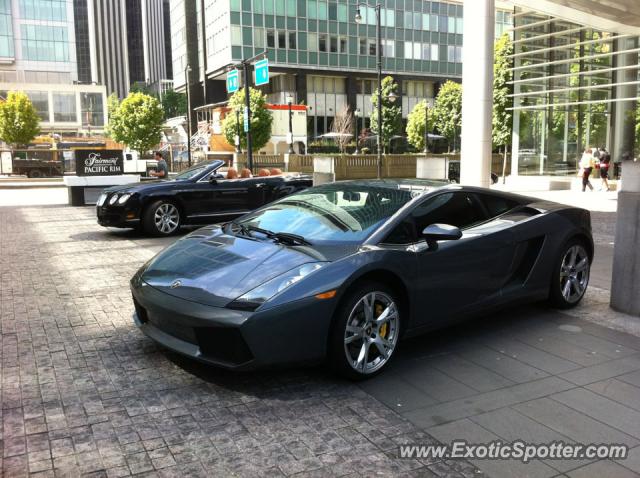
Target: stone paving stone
{"x":619,"y":391}
{"x":84,"y":393}
{"x":602,"y":468}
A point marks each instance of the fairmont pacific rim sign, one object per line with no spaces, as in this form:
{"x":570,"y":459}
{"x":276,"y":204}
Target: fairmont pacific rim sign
{"x":103,"y":162}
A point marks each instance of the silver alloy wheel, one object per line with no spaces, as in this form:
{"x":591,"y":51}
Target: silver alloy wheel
{"x":166,"y":218}
{"x":371,"y":333}
{"x":574,"y":273}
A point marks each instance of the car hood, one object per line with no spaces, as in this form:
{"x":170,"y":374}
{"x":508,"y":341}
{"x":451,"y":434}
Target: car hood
{"x":214,"y":268}
{"x":146,"y":186}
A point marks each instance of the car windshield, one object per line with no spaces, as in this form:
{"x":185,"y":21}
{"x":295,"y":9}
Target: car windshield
{"x":332,"y":213}
{"x":192,"y":172}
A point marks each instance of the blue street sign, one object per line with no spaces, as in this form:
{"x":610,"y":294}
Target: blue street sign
{"x":262,"y":72}
{"x":246,"y":120}
{"x":233,"y":82}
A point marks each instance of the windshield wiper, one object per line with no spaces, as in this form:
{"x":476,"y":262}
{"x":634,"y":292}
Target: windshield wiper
{"x":283,"y":237}
{"x":236,"y":227}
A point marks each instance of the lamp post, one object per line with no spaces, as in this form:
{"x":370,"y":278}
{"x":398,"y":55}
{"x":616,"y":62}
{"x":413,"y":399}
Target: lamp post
{"x":290,"y":134}
{"x":356,"y":113}
{"x":237,"y":138}
{"x":187,"y":70}
{"x":358,"y":19}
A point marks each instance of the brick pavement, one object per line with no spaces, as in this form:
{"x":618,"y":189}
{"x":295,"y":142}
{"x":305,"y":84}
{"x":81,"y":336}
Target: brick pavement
{"x":83,"y":392}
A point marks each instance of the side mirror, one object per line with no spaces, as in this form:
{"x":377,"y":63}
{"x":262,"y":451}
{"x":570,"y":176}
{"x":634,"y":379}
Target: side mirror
{"x":441,"y":232}
{"x":213,"y":180}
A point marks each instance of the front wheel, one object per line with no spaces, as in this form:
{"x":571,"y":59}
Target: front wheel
{"x":162,"y":218}
{"x":571,"y":275}
{"x":365,"y":332}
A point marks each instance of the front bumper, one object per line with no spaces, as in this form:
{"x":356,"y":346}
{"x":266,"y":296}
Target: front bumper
{"x":114,"y":216}
{"x":296,"y":332}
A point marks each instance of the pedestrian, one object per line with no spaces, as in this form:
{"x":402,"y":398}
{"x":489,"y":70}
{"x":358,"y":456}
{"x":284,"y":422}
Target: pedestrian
{"x":586,"y":166}
{"x":161,"y":170}
{"x":605,"y":161}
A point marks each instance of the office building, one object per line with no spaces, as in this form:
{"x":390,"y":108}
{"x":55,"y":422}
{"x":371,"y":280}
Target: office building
{"x":317,"y":51}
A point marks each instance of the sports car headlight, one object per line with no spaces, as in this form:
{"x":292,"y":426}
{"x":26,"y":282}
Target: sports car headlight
{"x":113,"y":199}
{"x":124,"y":198}
{"x":101,"y":199}
{"x":258,"y":296}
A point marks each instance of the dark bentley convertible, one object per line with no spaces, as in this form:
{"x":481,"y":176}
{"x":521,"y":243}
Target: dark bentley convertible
{"x":199,"y":195}
{"x":345,"y":270}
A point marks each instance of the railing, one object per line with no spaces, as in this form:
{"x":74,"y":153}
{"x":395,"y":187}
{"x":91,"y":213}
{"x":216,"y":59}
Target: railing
{"x":301,"y":164}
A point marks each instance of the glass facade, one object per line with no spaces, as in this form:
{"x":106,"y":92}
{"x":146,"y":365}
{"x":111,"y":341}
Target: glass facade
{"x":6,"y":30}
{"x":416,"y":34}
{"x":566,"y":96}
{"x":44,"y":43}
{"x":50,"y":10}
{"x":91,"y":109}
{"x":40,"y":100}
{"x":64,"y":107}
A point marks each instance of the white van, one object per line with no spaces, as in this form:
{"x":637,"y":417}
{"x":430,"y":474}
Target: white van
{"x":134,"y":165}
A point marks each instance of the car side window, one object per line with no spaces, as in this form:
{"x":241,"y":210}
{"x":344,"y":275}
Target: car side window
{"x":458,"y":209}
{"x":497,"y":205}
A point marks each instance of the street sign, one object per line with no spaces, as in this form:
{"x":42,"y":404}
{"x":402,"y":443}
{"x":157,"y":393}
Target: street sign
{"x":262,"y":72}
{"x":233,"y":81}
{"x":246,"y":119}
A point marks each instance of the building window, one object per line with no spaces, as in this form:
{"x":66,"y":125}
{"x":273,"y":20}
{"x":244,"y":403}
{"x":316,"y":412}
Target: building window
{"x":389,"y":48}
{"x":425,"y":21}
{"x":6,"y":30}
{"x":343,"y":13}
{"x":443,"y":22}
{"x":459,"y":54}
{"x":268,"y":7}
{"x":408,"y":50}
{"x":280,"y":7}
{"x":451,"y":53}
{"x":40,"y":101}
{"x":44,"y":43}
{"x":452,"y":25}
{"x":459,"y":25}
{"x":333,"y":44}
{"x":312,"y":41}
{"x":293,"y":44}
{"x":282,"y":39}
{"x":64,"y":107}
{"x":343,"y":45}
{"x":236,"y":35}
{"x":362,"y":42}
{"x":312,"y":9}
{"x":52,"y":10}
{"x":417,"y":21}
{"x":322,"y":10}
{"x":408,"y":19}
{"x":435,"y":52}
{"x":271,"y":39}
{"x":92,"y":109}
{"x":372,"y":47}
{"x":258,"y":37}
{"x":322,"y":42}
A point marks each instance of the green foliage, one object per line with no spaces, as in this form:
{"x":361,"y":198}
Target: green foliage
{"x":137,"y":122}
{"x":502,"y":120}
{"x":391,"y":112}
{"x":261,"y":119}
{"x":141,"y":87}
{"x":19,"y":120}
{"x":448,"y":110}
{"x":174,"y":104}
{"x":113,"y":102}
{"x":416,"y":124}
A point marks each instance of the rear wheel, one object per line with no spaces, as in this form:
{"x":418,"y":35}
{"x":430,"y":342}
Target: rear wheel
{"x":162,"y":218}
{"x":365,"y":332}
{"x":571,"y":275}
{"x":35,"y":173}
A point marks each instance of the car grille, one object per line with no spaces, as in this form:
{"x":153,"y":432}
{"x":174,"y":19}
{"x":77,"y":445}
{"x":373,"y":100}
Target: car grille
{"x":223,"y":343}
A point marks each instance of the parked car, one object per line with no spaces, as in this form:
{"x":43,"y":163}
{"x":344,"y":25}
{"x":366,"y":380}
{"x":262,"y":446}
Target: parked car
{"x":345,"y":270}
{"x":198,"y":195}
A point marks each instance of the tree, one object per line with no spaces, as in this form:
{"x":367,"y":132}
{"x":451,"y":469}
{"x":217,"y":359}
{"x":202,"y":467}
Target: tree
{"x":261,"y":119}
{"x":502,"y":121}
{"x":174,"y":104}
{"x":138,"y":122}
{"x":448,"y":110}
{"x":391,"y":113}
{"x":19,"y":120}
{"x":343,"y":125}
{"x":502,"y":75}
{"x":416,"y":124}
{"x":113,"y":102}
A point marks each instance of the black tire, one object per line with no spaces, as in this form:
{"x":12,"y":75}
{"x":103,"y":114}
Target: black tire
{"x":349,"y":311}
{"x":35,"y":173}
{"x":155,"y":221}
{"x":570,"y":276}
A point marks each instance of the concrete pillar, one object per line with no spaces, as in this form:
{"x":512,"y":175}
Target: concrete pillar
{"x":625,"y":283}
{"x":477,"y":92}
{"x":623,"y":124}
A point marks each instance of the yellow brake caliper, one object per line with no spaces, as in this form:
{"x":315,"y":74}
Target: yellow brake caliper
{"x":383,"y":329}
